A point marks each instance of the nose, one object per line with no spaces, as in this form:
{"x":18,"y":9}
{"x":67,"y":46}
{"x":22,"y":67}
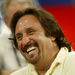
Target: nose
{"x":25,"y":40}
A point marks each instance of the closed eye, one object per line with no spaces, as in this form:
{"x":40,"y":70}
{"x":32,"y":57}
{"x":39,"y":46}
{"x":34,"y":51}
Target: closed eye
{"x":30,"y":31}
{"x":18,"y":36}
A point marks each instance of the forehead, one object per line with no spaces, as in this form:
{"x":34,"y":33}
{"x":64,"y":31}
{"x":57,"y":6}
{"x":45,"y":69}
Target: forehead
{"x":14,"y":6}
{"x":28,"y":20}
{"x":18,"y":3}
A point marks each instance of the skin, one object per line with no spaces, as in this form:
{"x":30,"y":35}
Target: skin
{"x":13,"y":7}
{"x":29,"y":30}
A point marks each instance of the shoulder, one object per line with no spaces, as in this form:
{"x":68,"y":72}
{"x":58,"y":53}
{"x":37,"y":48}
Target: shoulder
{"x":5,"y":43}
{"x":69,"y":64}
{"x":27,"y":70}
{"x":71,"y":56}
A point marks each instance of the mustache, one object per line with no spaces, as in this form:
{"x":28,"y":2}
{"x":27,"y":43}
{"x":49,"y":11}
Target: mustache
{"x":31,"y":43}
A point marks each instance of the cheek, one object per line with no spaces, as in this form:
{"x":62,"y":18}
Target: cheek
{"x":40,"y":40}
{"x":37,"y":37}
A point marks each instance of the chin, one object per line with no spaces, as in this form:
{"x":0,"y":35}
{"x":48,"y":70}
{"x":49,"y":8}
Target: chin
{"x":33,"y":60}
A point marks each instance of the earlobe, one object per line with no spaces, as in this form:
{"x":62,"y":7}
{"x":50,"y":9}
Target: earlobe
{"x":53,"y":38}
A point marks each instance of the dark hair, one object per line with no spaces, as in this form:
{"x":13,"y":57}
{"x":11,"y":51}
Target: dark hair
{"x":47,"y":21}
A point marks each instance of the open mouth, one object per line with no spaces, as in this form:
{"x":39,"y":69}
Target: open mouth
{"x":30,"y":47}
{"x":31,"y":51}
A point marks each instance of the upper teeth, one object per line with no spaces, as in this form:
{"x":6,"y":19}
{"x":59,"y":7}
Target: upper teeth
{"x":31,"y":49}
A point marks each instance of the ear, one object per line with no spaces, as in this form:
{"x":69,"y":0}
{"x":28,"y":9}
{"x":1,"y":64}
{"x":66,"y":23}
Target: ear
{"x":53,"y":38}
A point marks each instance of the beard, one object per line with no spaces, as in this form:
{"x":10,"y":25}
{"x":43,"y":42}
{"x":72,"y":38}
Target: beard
{"x":35,"y":58}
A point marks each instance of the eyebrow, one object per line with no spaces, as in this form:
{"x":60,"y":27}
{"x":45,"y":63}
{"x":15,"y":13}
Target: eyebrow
{"x":29,"y":29}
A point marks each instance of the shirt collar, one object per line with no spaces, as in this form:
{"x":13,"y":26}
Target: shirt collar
{"x":58,"y":60}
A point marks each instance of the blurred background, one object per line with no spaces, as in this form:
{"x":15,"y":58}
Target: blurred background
{"x":64,"y":12}
{"x":0,"y":15}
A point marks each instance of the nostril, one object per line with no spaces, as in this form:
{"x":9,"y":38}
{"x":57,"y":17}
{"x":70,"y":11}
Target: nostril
{"x":24,"y":47}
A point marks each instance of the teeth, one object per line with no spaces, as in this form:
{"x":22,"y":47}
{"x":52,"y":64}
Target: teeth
{"x":31,"y":49}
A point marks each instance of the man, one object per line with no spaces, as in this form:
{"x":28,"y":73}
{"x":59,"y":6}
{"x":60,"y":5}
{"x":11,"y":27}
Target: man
{"x":9,"y":7}
{"x":10,"y":58}
{"x":41,"y":41}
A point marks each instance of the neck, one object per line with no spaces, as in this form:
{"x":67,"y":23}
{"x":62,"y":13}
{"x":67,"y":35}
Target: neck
{"x":42,"y":67}
{"x":41,"y":72}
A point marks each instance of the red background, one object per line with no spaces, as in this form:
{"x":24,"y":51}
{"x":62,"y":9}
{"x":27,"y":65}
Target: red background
{"x":65,"y":16}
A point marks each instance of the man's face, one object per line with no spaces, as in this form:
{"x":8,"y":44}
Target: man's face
{"x":13,"y":7}
{"x":31,"y":39}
